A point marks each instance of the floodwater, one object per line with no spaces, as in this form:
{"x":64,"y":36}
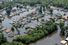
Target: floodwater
{"x":49,"y":40}
{"x":7,"y":23}
{"x":52,"y":39}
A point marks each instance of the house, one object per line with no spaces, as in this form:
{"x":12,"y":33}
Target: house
{"x":65,"y":17}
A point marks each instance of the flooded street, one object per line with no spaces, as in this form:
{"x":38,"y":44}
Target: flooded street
{"x":53,"y":39}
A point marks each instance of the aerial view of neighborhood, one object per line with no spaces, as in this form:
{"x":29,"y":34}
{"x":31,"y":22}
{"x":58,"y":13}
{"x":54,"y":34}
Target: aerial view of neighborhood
{"x":33,"y":22}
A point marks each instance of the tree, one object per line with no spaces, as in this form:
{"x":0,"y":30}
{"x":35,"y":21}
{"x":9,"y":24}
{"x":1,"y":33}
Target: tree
{"x":12,"y":43}
{"x":2,"y":38}
{"x":8,"y":10}
{"x":51,"y":11}
{"x":16,"y":26}
{"x":40,"y":10}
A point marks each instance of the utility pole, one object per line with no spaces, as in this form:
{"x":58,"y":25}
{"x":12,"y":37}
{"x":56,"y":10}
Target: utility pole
{"x":65,"y":33}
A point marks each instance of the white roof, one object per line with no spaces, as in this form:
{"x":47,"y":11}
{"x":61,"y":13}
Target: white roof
{"x":33,"y":24}
{"x":0,"y":15}
{"x":56,"y":12}
{"x":7,"y":23}
{"x":4,"y":12}
{"x":14,"y":8}
{"x":26,"y":13}
{"x":67,"y":38}
{"x":11,"y":0}
{"x":52,"y":7}
{"x":63,"y":42}
{"x":23,"y":9}
{"x":15,"y":18}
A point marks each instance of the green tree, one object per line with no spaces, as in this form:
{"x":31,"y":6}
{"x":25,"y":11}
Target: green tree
{"x":12,"y":43}
{"x":2,"y":38}
{"x":8,"y":10}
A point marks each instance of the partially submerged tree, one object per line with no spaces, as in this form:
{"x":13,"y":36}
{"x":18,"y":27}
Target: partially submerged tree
{"x":8,"y":10}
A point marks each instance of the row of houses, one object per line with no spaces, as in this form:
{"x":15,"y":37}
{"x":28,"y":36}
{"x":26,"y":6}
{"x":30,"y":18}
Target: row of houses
{"x":5,"y":1}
